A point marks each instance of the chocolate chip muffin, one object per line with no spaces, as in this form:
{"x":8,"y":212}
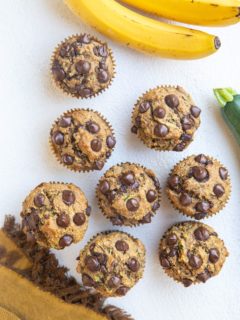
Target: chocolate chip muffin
{"x":129,"y":194}
{"x":166,"y":118}
{"x":112,"y":263}
{"x":55,"y":215}
{"x":191,"y":252}
{"x":82,"y":140}
{"x":199,"y":186}
{"x":82,"y":66}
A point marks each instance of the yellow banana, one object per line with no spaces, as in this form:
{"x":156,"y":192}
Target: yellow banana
{"x":143,"y":33}
{"x":200,"y":12}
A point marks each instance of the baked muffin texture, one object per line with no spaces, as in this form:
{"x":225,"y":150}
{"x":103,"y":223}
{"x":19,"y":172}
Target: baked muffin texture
{"x":112,"y":263}
{"x":55,"y":215}
{"x":166,"y":118}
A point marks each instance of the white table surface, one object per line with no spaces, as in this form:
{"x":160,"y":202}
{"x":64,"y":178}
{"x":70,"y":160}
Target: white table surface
{"x":29,"y":30}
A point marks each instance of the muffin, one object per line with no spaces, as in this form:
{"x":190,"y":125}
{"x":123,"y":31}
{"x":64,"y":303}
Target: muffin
{"x":128,"y":194}
{"x":112,"y":263}
{"x":199,"y":186}
{"x":191,"y":252}
{"x":82,"y":140}
{"x":82,"y":66}
{"x":166,"y":118}
{"x":55,"y":215}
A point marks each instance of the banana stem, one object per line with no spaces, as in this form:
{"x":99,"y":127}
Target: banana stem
{"x":224,"y":95}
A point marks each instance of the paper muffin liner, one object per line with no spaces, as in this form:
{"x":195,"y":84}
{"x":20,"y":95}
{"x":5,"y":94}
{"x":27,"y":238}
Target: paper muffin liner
{"x":137,"y":223}
{"x":148,"y":144}
{"x":58,"y":85}
{"x":166,"y":270}
{"x":58,"y":157}
{"x":93,"y":238}
{"x":41,"y":243}
{"x":208,"y":215}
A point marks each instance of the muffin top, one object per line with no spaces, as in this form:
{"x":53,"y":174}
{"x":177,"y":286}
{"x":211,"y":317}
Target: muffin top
{"x":191,"y":252}
{"x":166,"y":118}
{"x":55,"y":215}
{"x":129,"y":194}
{"x":112,"y":263}
{"x":82,"y":140}
{"x":82,"y":66}
{"x":199,"y":186}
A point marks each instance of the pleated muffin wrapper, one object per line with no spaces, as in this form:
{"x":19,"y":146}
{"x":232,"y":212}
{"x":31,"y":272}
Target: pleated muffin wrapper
{"x":126,"y":223}
{"x":149,"y":145}
{"x":166,"y":270}
{"x":57,"y":156}
{"x":58,"y":85}
{"x":107,"y":232}
{"x":42,"y":242}
{"x":208,"y":215}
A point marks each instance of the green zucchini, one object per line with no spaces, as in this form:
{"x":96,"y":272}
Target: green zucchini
{"x":230,"y":102}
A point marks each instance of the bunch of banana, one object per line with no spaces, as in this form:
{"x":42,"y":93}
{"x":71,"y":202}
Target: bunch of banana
{"x":155,"y":37}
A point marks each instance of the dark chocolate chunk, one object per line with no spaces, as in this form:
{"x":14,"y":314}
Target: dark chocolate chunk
{"x":117,"y":221}
{"x":133,"y":264}
{"x":144,"y":106}
{"x":179,"y":147}
{"x":171,"y":240}
{"x":98,"y":165}
{"x":195,"y":261}
{"x":114,"y":282}
{"x":128,"y":179}
{"x":164,"y":262}
{"x":161,"y":130}
{"x":201,"y":234}
{"x":185,"y":199}
{"x":219,"y":190}
{"x":203,"y":206}
{"x":187,"y":123}
{"x":155,"y":206}
{"x":58,"y":138}
{"x":173,"y":181}
{"x":172,"y":101}
{"x":39,"y":200}
{"x":147,"y":218}
{"x":65,"y":241}
{"x":96,"y":145}
{"x":122,"y":246}
{"x":104,"y":186}
{"x":111,"y":141}
{"x":214,"y":255}
{"x":200,"y":173}
{"x":195,"y":111}
{"x":65,"y":122}
{"x":187,"y":282}
{"x":159,"y":113}
{"x":151,"y":195}
{"x":79,"y":218}
{"x":67,"y":159}
{"x":92,"y":264}
{"x":103,"y":76}
{"x":58,"y":73}
{"x":134,"y":129}
{"x":132,"y":204}
{"x":111,"y":195}
{"x":92,"y":127}
{"x":186,"y":137}
{"x":68,"y":197}
{"x":83,"y":67}
{"x":122,"y":290}
{"x":201,"y":158}
{"x":101,"y":51}
{"x":84,"y":38}
{"x":204,"y":276}
{"x":63,"y":220}
{"x":223,"y":173}
{"x":200,"y":215}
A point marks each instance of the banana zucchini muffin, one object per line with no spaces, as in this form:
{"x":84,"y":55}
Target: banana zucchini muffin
{"x":199,"y":186}
{"x":129,"y":194}
{"x":192,"y":252}
{"x":112,"y":263}
{"x":82,"y":66}
{"x":82,"y":140}
{"x":55,"y":215}
{"x":166,"y":118}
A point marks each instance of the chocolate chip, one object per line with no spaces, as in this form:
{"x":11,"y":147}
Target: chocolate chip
{"x":65,"y":241}
{"x":117,"y":221}
{"x":164,"y":262}
{"x":151,"y":195}
{"x":214,"y":255}
{"x":68,"y":197}
{"x":98,"y":165}
{"x":172,"y":101}
{"x":173,"y":252}
{"x":223,"y":173}
{"x":155,"y":206}
{"x":65,"y":122}
{"x":199,"y":173}
{"x":39,"y":200}
{"x":161,"y":130}
{"x":179,"y":147}
{"x":88,"y":281}
{"x":88,"y":210}
{"x":195,"y":111}
{"x":122,"y":246}
{"x":101,"y":51}
{"x":84,"y":38}
{"x":147,"y":218}
{"x":195,"y":261}
{"x":133,"y":265}
{"x":92,"y":127}
{"x":83,"y":67}
{"x":79,"y":218}
{"x":132,"y":204}
{"x":84,"y":92}
{"x":201,"y":158}
{"x":111,"y":141}
{"x":187,"y":123}
{"x":63,"y":220}
{"x":187,"y":282}
{"x":204,"y":276}
{"x":144,"y":106}
{"x":219,"y":190}
{"x":138,"y":121}
{"x":201,"y":234}
{"x":92,"y":264}
{"x":185,"y":199}
{"x":102,"y":76}
{"x":171,"y":239}
{"x":159,"y":113}
{"x":122,"y":291}
{"x":202,"y":206}
{"x":156,"y":182}
{"x":128,"y":179}
{"x":173,"y":181}
{"x":111,"y":195}
{"x":104,"y":186}
{"x":58,"y":73}
{"x":58,"y":138}
{"x":67,"y":159}
{"x":134,"y":129}
{"x":186,"y":137}
{"x":96,"y":145}
{"x":199,"y":216}
{"x":114,"y":282}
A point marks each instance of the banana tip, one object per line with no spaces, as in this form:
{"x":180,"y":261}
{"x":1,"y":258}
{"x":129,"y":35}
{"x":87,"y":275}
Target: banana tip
{"x":217,"y":43}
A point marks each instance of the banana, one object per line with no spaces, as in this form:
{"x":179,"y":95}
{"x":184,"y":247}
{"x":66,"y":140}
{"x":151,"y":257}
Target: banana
{"x":199,"y":12}
{"x":143,"y":33}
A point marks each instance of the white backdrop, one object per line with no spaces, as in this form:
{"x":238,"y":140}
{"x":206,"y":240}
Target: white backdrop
{"x":29,"y":30}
